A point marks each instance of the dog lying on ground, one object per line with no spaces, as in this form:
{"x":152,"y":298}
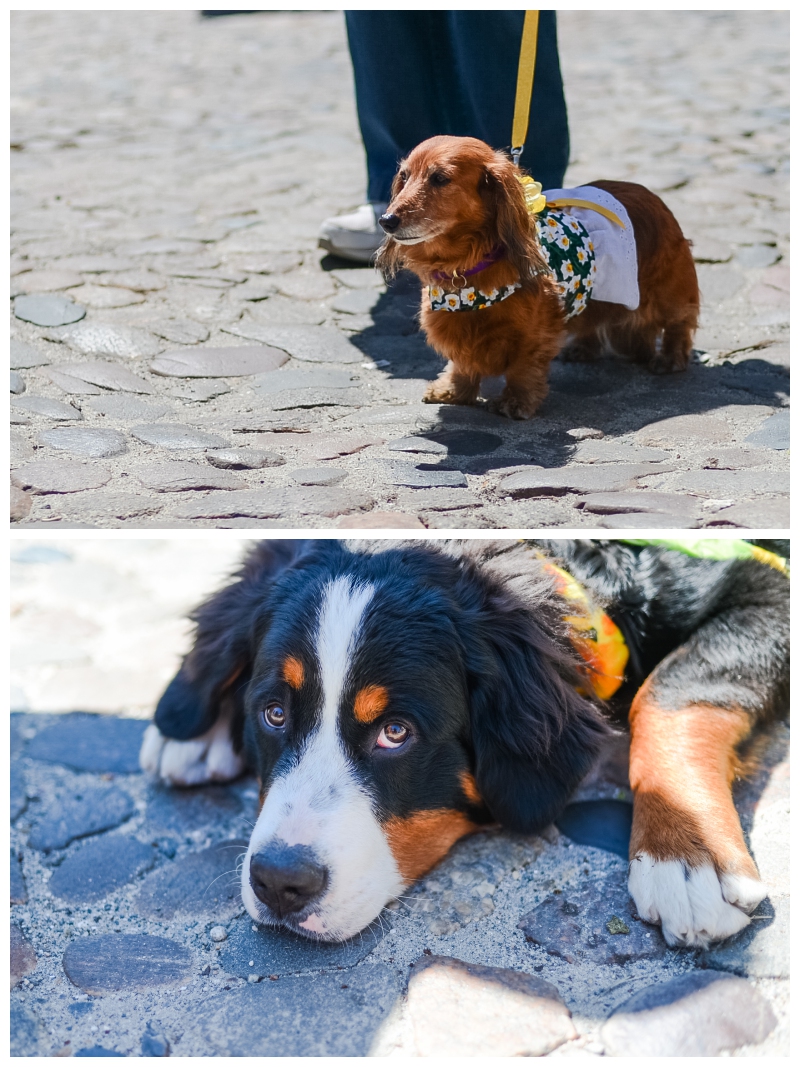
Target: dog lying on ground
{"x":458,"y":219}
{"x":392,"y":700}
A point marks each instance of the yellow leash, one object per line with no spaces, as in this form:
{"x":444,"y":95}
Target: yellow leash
{"x":534,"y":200}
{"x":525,"y":71}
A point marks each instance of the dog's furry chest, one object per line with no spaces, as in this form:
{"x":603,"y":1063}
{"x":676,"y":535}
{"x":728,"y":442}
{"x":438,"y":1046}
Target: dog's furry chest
{"x":492,"y":339}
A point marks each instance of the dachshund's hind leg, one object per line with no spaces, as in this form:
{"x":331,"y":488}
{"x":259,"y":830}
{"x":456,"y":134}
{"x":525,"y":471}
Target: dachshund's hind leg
{"x":676,"y":349}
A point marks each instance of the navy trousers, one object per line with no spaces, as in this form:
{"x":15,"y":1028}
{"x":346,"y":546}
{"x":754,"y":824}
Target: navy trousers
{"x":422,"y":73}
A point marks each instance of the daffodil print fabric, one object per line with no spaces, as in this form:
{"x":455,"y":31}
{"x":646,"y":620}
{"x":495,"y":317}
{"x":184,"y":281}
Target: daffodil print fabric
{"x":469,"y":298}
{"x":569,"y":250}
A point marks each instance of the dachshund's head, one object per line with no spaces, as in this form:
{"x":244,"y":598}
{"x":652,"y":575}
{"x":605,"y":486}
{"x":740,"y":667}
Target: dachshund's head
{"x":454,"y":200}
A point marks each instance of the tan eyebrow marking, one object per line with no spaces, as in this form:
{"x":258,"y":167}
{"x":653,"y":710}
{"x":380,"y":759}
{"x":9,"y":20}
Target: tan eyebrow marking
{"x":293,"y":672}
{"x":469,"y":788}
{"x":370,"y":702}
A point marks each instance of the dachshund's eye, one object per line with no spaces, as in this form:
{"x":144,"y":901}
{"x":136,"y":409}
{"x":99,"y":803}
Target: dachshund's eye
{"x":393,"y":735}
{"x":274,"y":716}
{"x":437,"y":178}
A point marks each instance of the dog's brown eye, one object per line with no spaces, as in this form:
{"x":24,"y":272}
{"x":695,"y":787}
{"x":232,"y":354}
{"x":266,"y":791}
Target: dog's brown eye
{"x":392,"y":735}
{"x":437,"y":178}
{"x":275,"y":716}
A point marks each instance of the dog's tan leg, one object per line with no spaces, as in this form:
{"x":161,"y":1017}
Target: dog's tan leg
{"x":453,"y":386}
{"x":676,"y":349}
{"x":690,"y":869}
{"x":580,"y":350}
{"x":524,"y":392}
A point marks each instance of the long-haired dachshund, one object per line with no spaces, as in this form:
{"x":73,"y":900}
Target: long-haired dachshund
{"x":458,"y":220}
{"x":392,"y":700}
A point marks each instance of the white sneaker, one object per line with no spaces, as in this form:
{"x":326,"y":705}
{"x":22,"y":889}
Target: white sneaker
{"x":354,"y":236}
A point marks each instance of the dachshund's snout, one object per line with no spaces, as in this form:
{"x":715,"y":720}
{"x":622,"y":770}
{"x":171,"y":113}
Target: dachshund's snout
{"x":389,"y":222}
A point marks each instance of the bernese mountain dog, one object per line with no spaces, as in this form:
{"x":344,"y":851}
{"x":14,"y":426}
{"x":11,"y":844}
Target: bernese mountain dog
{"x":393,"y":697}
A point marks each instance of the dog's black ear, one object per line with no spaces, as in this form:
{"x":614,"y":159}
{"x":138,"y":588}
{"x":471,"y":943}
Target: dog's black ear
{"x":509,"y":223}
{"x":534,"y":736}
{"x":217,"y":668}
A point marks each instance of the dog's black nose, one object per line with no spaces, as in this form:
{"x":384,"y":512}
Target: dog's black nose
{"x":389,"y":222}
{"x":286,"y":877}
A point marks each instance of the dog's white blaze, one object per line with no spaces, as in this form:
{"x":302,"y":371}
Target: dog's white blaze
{"x":319,"y":803}
{"x":690,"y":903}
{"x":340,"y":620}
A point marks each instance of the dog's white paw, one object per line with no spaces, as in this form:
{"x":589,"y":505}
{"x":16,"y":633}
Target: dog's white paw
{"x":209,"y":758}
{"x":693,"y":905}
{"x":152,"y":746}
{"x":746,"y":893}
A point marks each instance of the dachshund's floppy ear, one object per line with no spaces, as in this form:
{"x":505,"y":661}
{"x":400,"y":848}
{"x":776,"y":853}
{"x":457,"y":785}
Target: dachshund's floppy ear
{"x":217,"y":669}
{"x":510,"y":224}
{"x":534,"y":736}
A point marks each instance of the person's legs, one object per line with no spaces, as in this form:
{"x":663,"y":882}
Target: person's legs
{"x":394,"y":56}
{"x":482,"y":82}
{"x":419,"y":73}
{"x":422,"y":73}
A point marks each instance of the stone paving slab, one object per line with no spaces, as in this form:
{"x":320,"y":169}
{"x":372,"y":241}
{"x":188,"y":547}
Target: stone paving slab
{"x":511,"y":1014}
{"x":125,"y":962}
{"x":99,"y":867}
{"x":88,"y":813}
{"x":186,"y":235}
{"x":700,"y":1014}
{"x":161,"y":954}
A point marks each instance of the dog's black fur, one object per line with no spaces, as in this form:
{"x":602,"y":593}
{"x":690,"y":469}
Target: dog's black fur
{"x":486,"y":672}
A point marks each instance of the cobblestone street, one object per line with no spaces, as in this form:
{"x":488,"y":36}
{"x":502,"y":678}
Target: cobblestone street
{"x":128,"y":935}
{"x":183,"y":355}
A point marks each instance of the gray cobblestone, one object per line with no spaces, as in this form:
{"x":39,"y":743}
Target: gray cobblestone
{"x":87,"y":614}
{"x":189,"y":227}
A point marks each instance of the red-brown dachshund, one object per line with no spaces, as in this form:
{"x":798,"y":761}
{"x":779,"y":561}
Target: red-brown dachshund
{"x":458,"y":219}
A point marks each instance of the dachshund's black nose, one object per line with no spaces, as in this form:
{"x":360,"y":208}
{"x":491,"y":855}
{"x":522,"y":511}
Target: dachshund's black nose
{"x":389,"y":222}
{"x":286,"y":877}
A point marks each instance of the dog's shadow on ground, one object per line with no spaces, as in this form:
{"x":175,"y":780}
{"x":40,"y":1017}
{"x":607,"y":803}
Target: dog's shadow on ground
{"x":611,"y":395}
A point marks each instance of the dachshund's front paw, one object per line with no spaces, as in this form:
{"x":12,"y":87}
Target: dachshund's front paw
{"x":514,"y":407}
{"x":444,"y":393}
{"x":209,"y":758}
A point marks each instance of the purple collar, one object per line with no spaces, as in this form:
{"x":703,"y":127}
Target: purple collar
{"x":494,"y":256}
